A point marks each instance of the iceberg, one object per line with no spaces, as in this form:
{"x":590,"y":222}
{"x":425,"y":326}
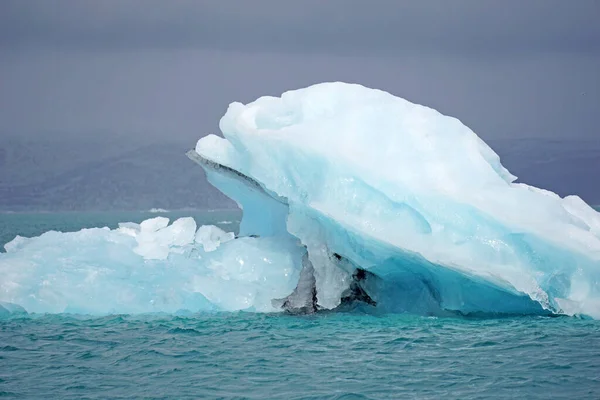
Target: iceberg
{"x":412,"y":196}
{"x":351,"y":198}
{"x":157,"y":210}
{"x":146,"y":268}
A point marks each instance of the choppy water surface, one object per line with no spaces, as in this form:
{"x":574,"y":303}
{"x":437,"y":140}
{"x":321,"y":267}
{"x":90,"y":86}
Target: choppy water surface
{"x":256,"y":356}
{"x":245,"y":355}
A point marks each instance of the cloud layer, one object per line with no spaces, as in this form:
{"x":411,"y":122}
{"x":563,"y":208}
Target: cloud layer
{"x":348,"y":27}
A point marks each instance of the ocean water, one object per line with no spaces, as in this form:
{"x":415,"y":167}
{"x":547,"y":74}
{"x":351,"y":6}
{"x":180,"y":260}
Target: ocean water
{"x":257,"y":356}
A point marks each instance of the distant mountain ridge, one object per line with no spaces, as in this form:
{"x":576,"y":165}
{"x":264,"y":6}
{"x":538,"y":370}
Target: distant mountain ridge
{"x":122,"y":177}
{"x":101,"y":173}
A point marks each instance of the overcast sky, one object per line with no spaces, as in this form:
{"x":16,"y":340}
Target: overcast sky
{"x":155,"y":69}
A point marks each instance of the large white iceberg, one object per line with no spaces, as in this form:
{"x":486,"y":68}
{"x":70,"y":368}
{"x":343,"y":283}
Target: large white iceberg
{"x":409,"y":194}
{"x":344,"y":190}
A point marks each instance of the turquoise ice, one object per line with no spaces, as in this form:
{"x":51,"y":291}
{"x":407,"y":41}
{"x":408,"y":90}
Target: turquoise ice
{"x":395,"y":188}
{"x":413,"y":196}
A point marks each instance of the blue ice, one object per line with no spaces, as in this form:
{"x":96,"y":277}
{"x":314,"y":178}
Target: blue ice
{"x":352,"y":178}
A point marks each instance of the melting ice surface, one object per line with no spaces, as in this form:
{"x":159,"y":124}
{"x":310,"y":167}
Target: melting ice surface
{"x":350,"y":179}
{"x":147,"y":267}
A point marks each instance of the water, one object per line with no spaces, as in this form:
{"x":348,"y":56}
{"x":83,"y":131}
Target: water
{"x":244,"y":355}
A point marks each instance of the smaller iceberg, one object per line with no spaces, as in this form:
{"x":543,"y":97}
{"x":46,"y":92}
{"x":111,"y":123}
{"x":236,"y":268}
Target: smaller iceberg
{"x":157,"y":210}
{"x":143,"y":268}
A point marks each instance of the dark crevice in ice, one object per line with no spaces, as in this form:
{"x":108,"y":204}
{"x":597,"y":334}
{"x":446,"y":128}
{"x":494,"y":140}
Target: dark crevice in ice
{"x":225,"y":170}
{"x":303,"y":299}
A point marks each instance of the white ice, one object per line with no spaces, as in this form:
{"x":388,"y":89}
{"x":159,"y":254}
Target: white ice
{"x":211,"y":237}
{"x":147,"y":267}
{"x":402,"y":179}
{"x":396,"y":188}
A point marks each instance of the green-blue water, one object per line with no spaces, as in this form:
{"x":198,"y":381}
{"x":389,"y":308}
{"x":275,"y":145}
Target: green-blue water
{"x":244,"y":355}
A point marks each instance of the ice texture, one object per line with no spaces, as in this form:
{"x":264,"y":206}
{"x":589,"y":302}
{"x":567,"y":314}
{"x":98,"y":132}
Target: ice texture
{"x":336,"y":178}
{"x":211,"y":237}
{"x":409,"y":194}
{"x":147,"y":267}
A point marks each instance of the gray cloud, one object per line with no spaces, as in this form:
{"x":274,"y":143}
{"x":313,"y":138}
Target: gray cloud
{"x":126,"y":72}
{"x":150,"y":67}
{"x":184,"y":93}
{"x":389,"y":28}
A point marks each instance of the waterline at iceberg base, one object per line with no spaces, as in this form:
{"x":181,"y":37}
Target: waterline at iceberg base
{"x":351,"y":198}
